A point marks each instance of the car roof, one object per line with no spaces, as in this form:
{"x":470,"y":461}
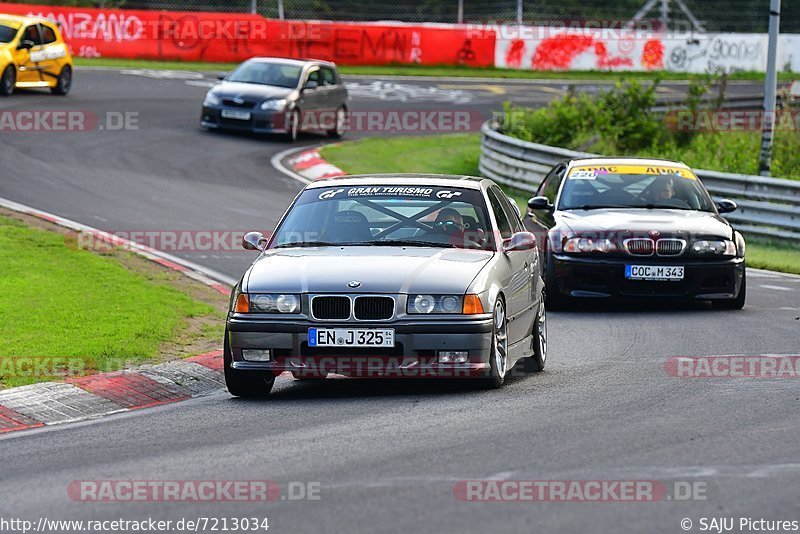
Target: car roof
{"x":21,"y":20}
{"x":291,"y":61}
{"x":404,"y":179}
{"x":604,"y":161}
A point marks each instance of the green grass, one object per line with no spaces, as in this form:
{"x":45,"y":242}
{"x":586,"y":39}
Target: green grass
{"x":459,"y":154}
{"x":775,"y":257}
{"x":416,"y":70}
{"x":439,"y":154}
{"x":61,"y":304}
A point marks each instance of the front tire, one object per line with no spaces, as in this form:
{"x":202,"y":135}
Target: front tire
{"x":8,"y":81}
{"x":554,"y":299}
{"x":498,"y":358}
{"x":247,"y":384}
{"x":734,"y":303}
{"x":535,"y":363}
{"x":64,"y":83}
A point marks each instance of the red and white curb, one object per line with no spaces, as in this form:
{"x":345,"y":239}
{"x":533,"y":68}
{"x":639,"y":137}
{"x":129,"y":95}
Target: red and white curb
{"x":92,"y":396}
{"x":312,"y":166}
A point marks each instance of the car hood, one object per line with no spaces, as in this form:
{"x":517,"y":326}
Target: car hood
{"x":379,"y":269}
{"x":642,"y":221}
{"x":250,"y":91}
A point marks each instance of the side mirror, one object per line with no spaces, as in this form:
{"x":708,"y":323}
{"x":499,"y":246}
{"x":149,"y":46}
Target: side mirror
{"x":254,"y":241}
{"x":25,"y":45}
{"x":310,"y":84}
{"x":222,"y":75}
{"x":540,"y":203}
{"x":726,"y":205}
{"x":520,"y":241}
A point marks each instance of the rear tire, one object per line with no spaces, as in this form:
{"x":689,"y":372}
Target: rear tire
{"x":247,"y":384}
{"x":8,"y":81}
{"x":64,"y":83}
{"x":339,"y":128}
{"x":293,"y":128}
{"x":734,"y":303}
{"x":535,"y":363}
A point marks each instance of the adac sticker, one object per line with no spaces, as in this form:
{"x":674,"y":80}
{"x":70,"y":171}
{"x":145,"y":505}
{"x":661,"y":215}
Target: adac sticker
{"x":632,"y":169}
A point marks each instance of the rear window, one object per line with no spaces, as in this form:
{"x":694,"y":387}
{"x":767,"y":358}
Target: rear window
{"x":48,"y":34}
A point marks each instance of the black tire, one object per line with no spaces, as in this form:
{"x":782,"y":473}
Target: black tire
{"x":8,"y":81}
{"x":339,"y":128}
{"x":554,"y":300}
{"x":535,"y":363}
{"x":64,"y":83}
{"x":293,"y":126}
{"x":248,"y":384}
{"x":734,"y":303}
{"x":498,"y":362}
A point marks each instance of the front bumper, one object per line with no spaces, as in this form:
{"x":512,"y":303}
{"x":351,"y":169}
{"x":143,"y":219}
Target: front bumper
{"x":270,"y":121}
{"x":414,"y":355}
{"x":605,"y":277}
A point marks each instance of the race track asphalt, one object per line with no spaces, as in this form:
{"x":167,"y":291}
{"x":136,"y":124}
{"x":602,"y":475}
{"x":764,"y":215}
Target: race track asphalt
{"x":388,"y":454}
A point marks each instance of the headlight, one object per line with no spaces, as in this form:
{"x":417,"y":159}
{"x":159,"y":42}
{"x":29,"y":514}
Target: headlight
{"x":267,"y":303}
{"x":435,"y":304}
{"x":274,"y":104}
{"x":586,"y":245}
{"x":716,"y":247}
{"x":211,"y":100}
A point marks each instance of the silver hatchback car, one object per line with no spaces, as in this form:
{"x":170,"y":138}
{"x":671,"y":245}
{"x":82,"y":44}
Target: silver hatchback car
{"x":274,"y":95}
{"x":389,"y":276}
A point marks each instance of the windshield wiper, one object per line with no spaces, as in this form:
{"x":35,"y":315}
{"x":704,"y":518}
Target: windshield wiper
{"x":308,"y":244}
{"x":597,"y":207}
{"x":413,"y":243}
{"x":663,"y":207}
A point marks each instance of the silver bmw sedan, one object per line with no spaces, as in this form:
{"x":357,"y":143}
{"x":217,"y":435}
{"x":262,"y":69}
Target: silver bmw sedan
{"x":389,"y":276}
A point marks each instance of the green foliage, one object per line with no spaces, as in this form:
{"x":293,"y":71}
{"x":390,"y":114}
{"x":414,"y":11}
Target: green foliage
{"x":619,"y":116}
{"x":619,"y":122}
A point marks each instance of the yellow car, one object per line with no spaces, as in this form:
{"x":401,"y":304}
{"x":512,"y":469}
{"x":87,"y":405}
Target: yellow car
{"x":33,"y":54}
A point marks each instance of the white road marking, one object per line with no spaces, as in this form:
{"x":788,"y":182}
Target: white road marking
{"x":776,"y":288}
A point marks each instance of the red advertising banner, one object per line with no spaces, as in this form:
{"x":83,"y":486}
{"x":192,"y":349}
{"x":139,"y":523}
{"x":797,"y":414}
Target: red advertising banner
{"x":233,"y":37}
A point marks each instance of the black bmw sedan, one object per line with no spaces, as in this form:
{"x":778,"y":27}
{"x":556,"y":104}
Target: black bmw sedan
{"x":636,"y":228}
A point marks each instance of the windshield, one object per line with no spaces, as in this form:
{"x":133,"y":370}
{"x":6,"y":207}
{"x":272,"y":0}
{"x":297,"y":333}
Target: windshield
{"x":7,"y":33}
{"x":412,"y":215}
{"x":633,"y":186}
{"x":259,"y":72}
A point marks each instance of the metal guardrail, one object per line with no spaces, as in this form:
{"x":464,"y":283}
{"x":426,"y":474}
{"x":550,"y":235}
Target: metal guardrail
{"x":768,"y":207}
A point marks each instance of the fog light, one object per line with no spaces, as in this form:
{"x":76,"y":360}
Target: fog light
{"x":453,"y":356}
{"x":256,"y":355}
